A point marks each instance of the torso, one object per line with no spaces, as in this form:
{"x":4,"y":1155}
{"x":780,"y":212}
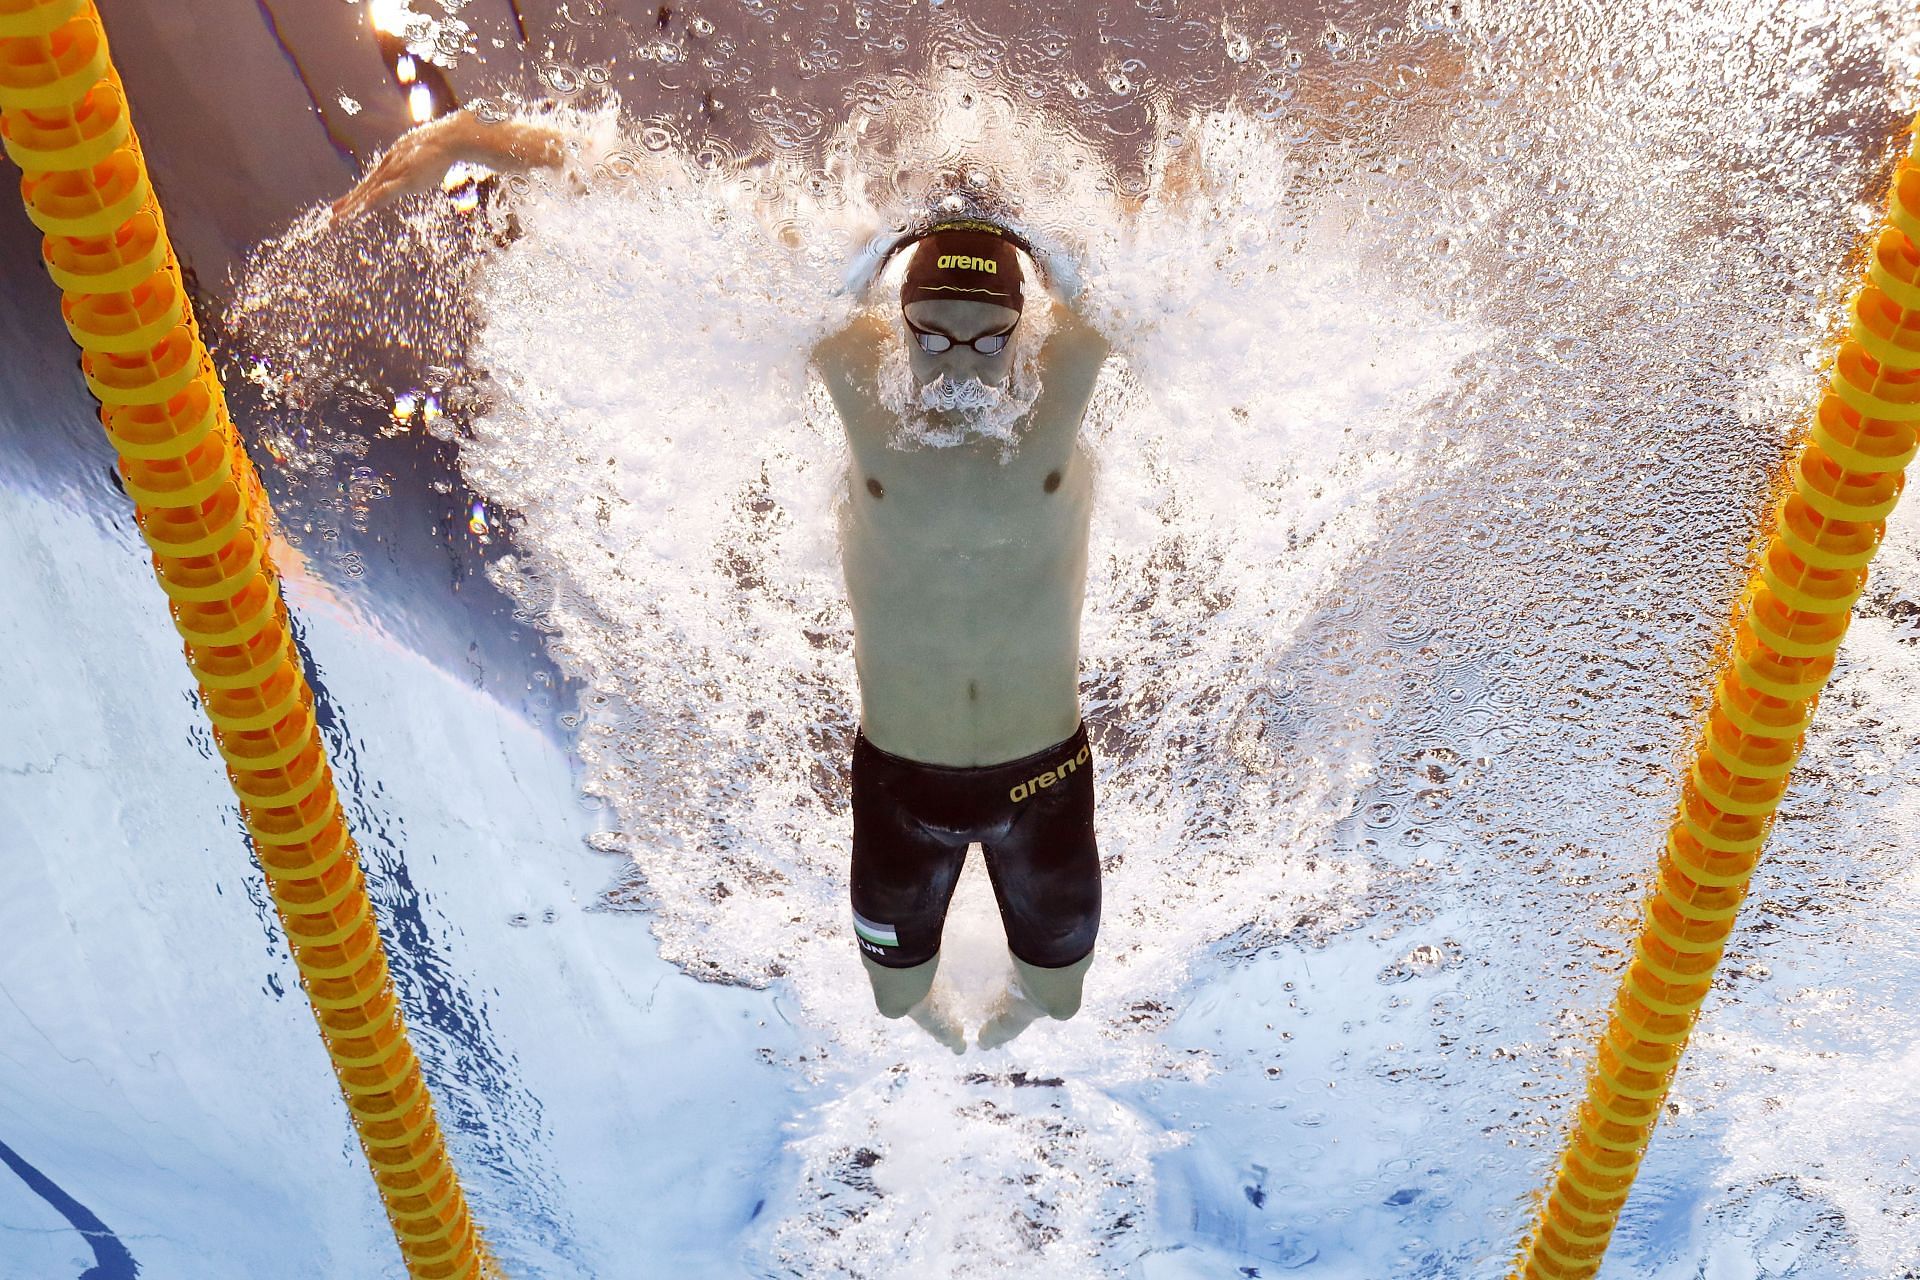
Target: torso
{"x":966,"y":573}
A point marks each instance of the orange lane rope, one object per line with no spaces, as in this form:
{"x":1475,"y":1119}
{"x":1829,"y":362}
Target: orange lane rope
{"x":1787,"y":627}
{"x":199,"y":504}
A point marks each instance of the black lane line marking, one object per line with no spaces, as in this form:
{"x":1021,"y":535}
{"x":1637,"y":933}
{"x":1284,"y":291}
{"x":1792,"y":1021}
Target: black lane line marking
{"x":111,"y":1261}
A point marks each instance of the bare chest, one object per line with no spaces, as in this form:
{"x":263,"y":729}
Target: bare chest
{"x":983,"y":499}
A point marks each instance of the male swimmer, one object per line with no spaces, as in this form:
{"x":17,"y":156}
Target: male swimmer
{"x":966,"y":571}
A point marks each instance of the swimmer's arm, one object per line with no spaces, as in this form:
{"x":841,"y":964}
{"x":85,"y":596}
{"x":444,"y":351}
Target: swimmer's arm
{"x":849,"y":360}
{"x":1072,"y":359}
{"x":422,"y":156}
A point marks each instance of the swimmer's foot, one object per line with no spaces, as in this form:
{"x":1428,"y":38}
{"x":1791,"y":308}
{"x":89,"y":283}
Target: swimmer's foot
{"x":1033,"y":994}
{"x":939,"y":1024}
{"x":1013,"y":1017}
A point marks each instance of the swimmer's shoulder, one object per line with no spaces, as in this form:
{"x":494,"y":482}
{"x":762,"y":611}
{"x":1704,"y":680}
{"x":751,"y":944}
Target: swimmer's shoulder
{"x":1075,"y":352}
{"x":1074,"y":334}
{"x":848,"y":361}
{"x":850,"y":355}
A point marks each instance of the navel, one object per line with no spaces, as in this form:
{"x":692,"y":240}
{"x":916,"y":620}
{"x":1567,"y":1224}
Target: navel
{"x":973,"y":691}
{"x":1053,"y":481}
{"x":873,"y":487}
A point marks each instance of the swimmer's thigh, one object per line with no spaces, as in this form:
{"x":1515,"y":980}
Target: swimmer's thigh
{"x":1046,"y":875}
{"x":903,"y":873}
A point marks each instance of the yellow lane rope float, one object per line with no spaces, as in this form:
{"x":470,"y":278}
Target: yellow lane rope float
{"x":1787,"y":627}
{"x":200,"y":507}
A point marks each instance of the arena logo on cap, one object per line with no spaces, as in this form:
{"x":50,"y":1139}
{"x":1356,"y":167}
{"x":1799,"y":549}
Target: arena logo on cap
{"x":965,"y":262}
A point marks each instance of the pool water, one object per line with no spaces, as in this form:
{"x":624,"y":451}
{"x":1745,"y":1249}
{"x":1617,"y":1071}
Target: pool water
{"x":1457,"y":349}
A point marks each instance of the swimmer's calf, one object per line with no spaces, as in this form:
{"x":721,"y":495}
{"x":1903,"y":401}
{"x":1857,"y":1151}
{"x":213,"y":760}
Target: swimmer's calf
{"x":902,"y":993}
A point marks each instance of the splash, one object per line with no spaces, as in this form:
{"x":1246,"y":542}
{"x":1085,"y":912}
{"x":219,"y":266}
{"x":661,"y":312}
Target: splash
{"x":947,"y":395}
{"x":630,"y":360}
{"x":668,"y":469}
{"x":671,"y":483}
{"x":1447,"y":380}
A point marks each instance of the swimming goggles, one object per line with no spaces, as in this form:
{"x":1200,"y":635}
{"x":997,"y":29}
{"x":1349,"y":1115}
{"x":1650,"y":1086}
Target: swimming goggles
{"x":935,"y":343}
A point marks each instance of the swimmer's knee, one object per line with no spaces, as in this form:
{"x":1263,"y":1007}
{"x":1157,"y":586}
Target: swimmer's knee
{"x":1056,"y":990}
{"x":896,"y":991}
{"x":1065,"y":1008}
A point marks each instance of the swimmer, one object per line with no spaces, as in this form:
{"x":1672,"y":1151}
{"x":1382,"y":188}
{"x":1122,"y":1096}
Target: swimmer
{"x":966,"y":571}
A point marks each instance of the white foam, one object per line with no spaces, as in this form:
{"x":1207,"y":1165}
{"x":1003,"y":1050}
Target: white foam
{"x":671,"y":474}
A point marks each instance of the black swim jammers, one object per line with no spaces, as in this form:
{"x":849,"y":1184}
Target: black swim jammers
{"x":1033,"y":818}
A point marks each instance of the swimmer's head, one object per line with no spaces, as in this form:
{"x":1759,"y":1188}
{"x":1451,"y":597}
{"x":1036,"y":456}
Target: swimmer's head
{"x":962,"y":297}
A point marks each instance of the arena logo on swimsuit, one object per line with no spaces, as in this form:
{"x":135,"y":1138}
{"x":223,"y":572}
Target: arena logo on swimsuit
{"x":1050,"y":777}
{"x":963,"y":262}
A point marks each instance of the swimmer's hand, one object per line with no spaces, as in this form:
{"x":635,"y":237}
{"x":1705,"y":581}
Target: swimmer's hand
{"x":867,"y":265}
{"x":1059,"y":272}
{"x":1062,"y":278}
{"x":422,"y":156}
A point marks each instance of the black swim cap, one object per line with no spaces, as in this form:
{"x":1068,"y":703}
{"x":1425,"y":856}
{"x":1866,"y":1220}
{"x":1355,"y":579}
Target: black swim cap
{"x":969,"y":261}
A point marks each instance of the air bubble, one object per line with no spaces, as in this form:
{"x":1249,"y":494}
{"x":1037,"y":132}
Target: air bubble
{"x":1343,"y":654}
